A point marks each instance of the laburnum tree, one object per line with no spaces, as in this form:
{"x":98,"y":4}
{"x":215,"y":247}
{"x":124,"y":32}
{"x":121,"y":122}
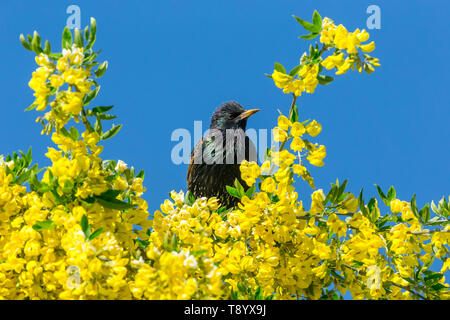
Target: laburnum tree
{"x":79,"y":228}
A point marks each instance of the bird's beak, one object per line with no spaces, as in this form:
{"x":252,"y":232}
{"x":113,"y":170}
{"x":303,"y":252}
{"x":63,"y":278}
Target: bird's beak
{"x":247,"y":113}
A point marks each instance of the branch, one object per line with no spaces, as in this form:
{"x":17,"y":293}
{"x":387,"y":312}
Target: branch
{"x":407,"y":288}
{"x":428,"y":231}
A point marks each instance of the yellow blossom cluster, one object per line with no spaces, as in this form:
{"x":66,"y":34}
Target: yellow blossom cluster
{"x":338,"y":37}
{"x":81,"y":230}
{"x":67,"y":80}
{"x":306,"y":80}
{"x":307,"y":75}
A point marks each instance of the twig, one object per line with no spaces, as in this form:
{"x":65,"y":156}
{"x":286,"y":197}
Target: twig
{"x":407,"y":288}
{"x":428,"y":231}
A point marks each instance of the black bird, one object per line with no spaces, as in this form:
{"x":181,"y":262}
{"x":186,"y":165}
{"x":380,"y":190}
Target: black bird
{"x":216,"y":158}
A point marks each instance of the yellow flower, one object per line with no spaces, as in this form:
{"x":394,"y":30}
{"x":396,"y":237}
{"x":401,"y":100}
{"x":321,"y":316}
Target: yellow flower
{"x":268,"y":185}
{"x":396,"y":206}
{"x":309,"y":77}
{"x":297,"y":144}
{"x":317,"y":202}
{"x":249,"y":172}
{"x":333,"y":61}
{"x":348,"y":63}
{"x":336,"y":225}
{"x":279,"y":134}
{"x":350,"y":203}
{"x":62,"y":64}
{"x":284,"y":123}
{"x":298,"y":169}
{"x":56,"y":81}
{"x":313,"y":128}
{"x":281,"y":79}
{"x":368,"y":47}
{"x":316,"y":156}
{"x":298,"y":129}
{"x":296,"y":87}
{"x":363,"y":36}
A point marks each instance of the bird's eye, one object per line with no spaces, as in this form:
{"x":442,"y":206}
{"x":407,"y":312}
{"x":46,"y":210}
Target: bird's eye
{"x":233,"y":115}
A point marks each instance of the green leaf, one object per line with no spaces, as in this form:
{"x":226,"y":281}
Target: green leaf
{"x":114,"y":204}
{"x":249,"y":193}
{"x":259,"y":294}
{"x":361,"y":204}
{"x":68,"y":186}
{"x":424,"y":213}
{"x":78,"y":41}
{"x":190,"y":199}
{"x":24,"y":42}
{"x":293,"y":114}
{"x":86,"y":32}
{"x":111,"y":132}
{"x":29,"y":156}
{"x":96,"y":233}
{"x":31,"y":107}
{"x":341,"y":190}
{"x":166,"y":242}
{"x":102,"y":109}
{"x":66,"y":38}
{"x":317,"y":20}
{"x":36,"y":43}
{"x":309,"y":36}
{"x":74,"y":134}
{"x":279,"y":67}
{"x":391,"y":194}
{"x":174,"y":242}
{"x":98,"y":126}
{"x":295,"y":70}
{"x":91,"y":95}
{"x":24,"y":176}
{"x":89,"y":125}
{"x":106,"y":117}
{"x":141,"y":174}
{"x":110,"y":194}
{"x":414,"y":207}
{"x":101,"y":69}
{"x":233,"y":192}
{"x":431,"y":275}
{"x":434,"y":208}
{"x":44,"y":225}
{"x":55,"y":56}
{"x":239,"y":187}
{"x":323,"y":79}
{"x":85,"y":226}
{"x":382,"y":195}
{"x":308,"y":26}
{"x":47,"y":47}
{"x":92,"y":35}
{"x":329,"y":195}
{"x":438,"y":287}
{"x":371,"y":204}
{"x":65,"y":133}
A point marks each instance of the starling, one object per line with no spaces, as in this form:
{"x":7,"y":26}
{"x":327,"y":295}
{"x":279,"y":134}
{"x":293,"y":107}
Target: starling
{"x":216,"y":158}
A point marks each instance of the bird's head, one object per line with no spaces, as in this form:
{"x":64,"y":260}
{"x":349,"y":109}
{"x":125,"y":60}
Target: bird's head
{"x":231,"y":115}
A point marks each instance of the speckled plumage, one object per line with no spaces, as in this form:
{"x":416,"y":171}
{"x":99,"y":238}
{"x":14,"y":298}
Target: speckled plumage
{"x":213,"y":165}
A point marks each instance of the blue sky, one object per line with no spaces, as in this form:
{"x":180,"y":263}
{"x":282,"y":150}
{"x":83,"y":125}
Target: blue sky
{"x":173,"y":62}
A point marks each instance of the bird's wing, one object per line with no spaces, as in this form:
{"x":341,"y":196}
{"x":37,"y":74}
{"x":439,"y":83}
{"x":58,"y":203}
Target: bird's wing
{"x":195,"y":153}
